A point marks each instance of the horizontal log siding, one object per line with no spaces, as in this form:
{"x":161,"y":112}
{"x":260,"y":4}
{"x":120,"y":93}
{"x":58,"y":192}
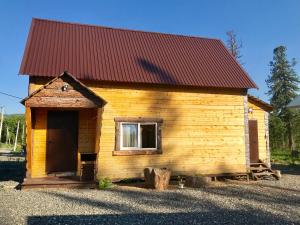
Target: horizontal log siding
{"x":202,"y":131}
{"x":259,"y":115}
{"x":87,"y":130}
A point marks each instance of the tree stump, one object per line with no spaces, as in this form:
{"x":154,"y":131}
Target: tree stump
{"x":157,"y":178}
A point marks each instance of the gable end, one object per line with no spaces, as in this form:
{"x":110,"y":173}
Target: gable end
{"x":64,"y":91}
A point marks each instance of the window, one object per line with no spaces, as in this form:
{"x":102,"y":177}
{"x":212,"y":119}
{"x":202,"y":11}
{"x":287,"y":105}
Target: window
{"x":129,"y":135}
{"x":138,"y":136}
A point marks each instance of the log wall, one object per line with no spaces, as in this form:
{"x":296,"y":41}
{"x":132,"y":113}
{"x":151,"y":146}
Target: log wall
{"x":202,"y":131}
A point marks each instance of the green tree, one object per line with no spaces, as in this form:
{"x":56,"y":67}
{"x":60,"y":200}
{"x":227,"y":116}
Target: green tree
{"x":283,"y":86}
{"x":10,"y":122}
{"x":277,"y":132}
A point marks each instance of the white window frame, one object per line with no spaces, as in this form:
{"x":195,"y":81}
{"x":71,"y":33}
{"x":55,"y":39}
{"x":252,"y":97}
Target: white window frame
{"x":139,"y":136}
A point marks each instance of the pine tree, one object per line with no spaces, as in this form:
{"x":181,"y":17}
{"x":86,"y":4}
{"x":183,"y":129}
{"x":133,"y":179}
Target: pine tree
{"x":283,"y":86}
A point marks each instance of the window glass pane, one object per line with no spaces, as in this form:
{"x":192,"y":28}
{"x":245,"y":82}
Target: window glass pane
{"x":130,"y":135}
{"x":148,"y":135}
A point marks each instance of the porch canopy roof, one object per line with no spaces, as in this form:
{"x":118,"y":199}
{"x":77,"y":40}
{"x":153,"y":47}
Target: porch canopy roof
{"x":294,"y":103}
{"x":266,"y":106}
{"x":64,"y":91}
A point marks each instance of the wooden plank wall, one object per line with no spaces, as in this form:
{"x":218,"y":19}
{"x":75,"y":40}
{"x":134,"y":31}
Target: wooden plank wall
{"x":87,"y":130}
{"x":259,"y":115}
{"x":202,"y":133}
{"x":39,"y":143}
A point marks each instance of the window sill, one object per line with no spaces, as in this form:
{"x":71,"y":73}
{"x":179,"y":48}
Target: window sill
{"x":136,"y":152}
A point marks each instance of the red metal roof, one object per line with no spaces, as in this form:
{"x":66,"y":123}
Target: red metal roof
{"x":107,"y":54}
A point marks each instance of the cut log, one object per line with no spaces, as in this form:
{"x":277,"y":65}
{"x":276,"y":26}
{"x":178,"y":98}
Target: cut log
{"x":149,"y":178}
{"x":197,"y":181}
{"x":157,"y":178}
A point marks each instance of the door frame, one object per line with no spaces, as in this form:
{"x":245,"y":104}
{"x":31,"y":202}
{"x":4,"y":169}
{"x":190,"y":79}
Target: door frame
{"x":67,"y":173}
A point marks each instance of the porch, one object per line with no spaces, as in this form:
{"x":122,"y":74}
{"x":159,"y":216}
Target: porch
{"x":62,"y":124}
{"x":57,"y":182}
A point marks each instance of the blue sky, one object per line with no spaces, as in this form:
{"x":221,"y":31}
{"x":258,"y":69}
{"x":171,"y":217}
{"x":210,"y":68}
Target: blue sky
{"x":261,"y":25}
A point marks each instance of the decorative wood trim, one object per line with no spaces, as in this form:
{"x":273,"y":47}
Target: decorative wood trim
{"x":117,"y":136}
{"x":136,"y":152}
{"x":55,"y":96}
{"x":159,"y":135}
{"x":246,"y":123}
{"x":57,"y":102}
{"x":138,"y":119}
{"x":267,"y":139}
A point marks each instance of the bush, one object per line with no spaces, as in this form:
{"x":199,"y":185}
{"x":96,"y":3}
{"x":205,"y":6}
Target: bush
{"x":105,"y":183}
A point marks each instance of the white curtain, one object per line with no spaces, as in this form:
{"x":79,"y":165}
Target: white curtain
{"x":130,"y":135}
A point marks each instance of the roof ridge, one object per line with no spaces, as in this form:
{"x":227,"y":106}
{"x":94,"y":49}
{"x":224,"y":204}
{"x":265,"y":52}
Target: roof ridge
{"x":125,"y":29}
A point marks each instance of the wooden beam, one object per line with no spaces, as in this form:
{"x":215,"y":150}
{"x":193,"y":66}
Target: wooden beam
{"x":136,"y":152}
{"x":28,"y":124}
{"x":56,"y":102}
{"x":138,"y":119}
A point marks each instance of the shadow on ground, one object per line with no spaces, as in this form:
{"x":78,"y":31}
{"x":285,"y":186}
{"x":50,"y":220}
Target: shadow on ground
{"x":287,"y":169}
{"x":240,"y":217}
{"x":12,"y":166}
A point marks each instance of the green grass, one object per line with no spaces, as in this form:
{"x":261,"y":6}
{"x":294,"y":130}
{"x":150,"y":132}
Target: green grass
{"x":7,"y":146}
{"x":10,"y":147}
{"x":105,"y":183}
{"x":283,"y":156}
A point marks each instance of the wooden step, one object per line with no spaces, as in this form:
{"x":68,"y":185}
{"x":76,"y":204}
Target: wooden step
{"x":258,"y":164}
{"x":56,"y":182}
{"x":263,"y":174}
{"x":259,"y":168}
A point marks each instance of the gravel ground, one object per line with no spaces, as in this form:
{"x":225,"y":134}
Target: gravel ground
{"x":263,"y":202}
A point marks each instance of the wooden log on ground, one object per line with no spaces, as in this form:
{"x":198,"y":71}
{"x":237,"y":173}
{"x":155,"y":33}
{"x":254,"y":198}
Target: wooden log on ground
{"x":157,"y":178}
{"x":197,"y":181}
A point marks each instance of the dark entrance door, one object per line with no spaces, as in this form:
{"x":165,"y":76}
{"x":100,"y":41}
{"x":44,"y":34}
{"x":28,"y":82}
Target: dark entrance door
{"x":62,"y":133}
{"x":253,"y":140}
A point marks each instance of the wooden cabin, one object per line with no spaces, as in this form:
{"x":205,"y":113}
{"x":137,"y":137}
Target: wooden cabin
{"x":107,"y":102}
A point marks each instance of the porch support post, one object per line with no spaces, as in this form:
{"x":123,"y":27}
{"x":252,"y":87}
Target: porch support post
{"x":28,"y":123}
{"x":98,"y":136}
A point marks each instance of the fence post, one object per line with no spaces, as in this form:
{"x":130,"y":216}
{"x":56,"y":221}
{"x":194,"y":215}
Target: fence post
{"x":1,"y":122}
{"x":16,"y":138}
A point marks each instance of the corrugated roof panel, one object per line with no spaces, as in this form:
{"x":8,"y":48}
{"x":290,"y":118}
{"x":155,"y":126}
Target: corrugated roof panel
{"x":107,"y":54}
